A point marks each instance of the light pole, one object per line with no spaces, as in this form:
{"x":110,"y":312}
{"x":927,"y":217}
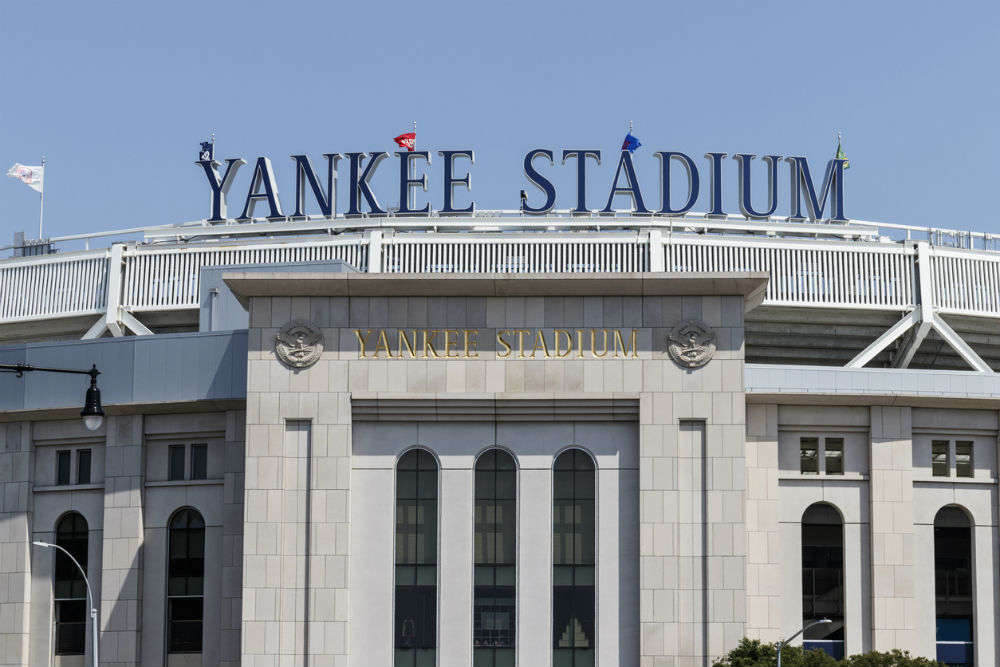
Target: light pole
{"x":90,"y":593}
{"x":783,"y":644}
{"x":92,"y":413}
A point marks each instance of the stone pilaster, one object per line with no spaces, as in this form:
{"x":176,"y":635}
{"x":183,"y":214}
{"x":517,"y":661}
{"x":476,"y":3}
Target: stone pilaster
{"x":15,"y":561}
{"x":232,"y":539}
{"x":121,"y":575}
{"x":762,"y":530}
{"x":892,"y":573}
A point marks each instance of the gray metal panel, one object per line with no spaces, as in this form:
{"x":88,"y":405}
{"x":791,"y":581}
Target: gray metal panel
{"x":221,"y":311}
{"x":167,"y":368}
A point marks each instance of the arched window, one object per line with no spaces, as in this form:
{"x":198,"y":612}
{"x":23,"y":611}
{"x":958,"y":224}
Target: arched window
{"x":953,"y":586}
{"x":185,"y":582}
{"x":495,"y":545}
{"x":69,"y":591}
{"x":573,"y":532}
{"x":416,"y":559}
{"x":823,"y":578}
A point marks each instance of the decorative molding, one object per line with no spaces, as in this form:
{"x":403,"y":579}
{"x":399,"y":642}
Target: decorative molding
{"x":299,"y":344}
{"x":477,"y":410}
{"x":691,"y":344}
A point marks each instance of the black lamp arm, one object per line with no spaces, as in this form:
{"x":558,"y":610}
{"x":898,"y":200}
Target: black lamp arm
{"x":21,"y":369}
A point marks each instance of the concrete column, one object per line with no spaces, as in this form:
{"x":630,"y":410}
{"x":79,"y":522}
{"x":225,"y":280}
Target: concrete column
{"x":455,"y":566}
{"x":893,"y":607}
{"x":764,"y":569}
{"x":534,"y":564}
{"x":121,"y":575}
{"x":232,"y":539}
{"x":15,"y":559}
{"x":984,"y":587}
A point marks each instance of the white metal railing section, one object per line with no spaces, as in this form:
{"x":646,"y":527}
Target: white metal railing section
{"x":471,"y":254}
{"x":966,"y":283}
{"x":808,"y":274}
{"x":167,"y":279}
{"x":53,"y":286}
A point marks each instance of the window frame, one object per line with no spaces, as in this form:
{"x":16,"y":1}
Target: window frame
{"x":61,"y":456}
{"x":186,"y":511}
{"x":803,"y":447}
{"x":80,"y":467}
{"x":579,"y":590}
{"x":77,"y":594}
{"x":840,"y":446}
{"x":936,"y":470}
{"x":971,"y":465}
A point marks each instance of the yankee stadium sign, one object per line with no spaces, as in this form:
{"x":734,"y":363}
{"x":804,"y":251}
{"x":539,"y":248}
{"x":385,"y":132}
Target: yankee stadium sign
{"x":806,"y":199}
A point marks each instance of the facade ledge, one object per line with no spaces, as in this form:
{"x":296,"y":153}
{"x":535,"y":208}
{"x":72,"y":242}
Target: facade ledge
{"x":68,"y":487}
{"x":187,"y":482}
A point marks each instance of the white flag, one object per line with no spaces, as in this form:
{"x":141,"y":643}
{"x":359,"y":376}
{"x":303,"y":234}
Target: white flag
{"x":33,"y":177}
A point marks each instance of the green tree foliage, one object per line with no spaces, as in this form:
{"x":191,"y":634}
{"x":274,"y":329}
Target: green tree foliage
{"x":754,"y":653}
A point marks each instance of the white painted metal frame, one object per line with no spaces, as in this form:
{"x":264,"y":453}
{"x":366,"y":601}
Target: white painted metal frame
{"x":840,"y":267}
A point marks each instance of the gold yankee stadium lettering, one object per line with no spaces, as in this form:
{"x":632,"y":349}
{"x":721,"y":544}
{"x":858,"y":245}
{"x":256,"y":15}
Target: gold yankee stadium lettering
{"x":510,"y":344}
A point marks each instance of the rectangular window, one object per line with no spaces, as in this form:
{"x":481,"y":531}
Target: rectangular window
{"x":175,"y":463}
{"x":83,"y":466}
{"x":809,"y":456}
{"x":833,"y":456}
{"x":199,"y":461}
{"x":63,"y":458}
{"x":939,"y":458}
{"x":963,"y":458}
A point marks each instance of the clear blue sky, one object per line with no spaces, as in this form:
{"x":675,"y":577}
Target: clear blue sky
{"x":118,"y":95}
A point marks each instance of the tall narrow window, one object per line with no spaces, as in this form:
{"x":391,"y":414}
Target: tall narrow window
{"x":573,"y":547}
{"x":939,"y":458}
{"x":953,"y":586}
{"x":823,"y":578}
{"x":175,"y":462}
{"x":199,"y":461}
{"x":495,"y":547}
{"x":83,"y":466}
{"x":185,"y":582}
{"x":70,"y":590}
{"x":809,"y":456}
{"x":963,"y":459}
{"x":64,"y":458}
{"x":416,"y":560}
{"x":833,"y":456}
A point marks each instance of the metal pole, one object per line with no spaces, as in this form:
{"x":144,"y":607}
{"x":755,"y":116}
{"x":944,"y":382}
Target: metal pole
{"x":41,"y":200}
{"x":90,"y":595}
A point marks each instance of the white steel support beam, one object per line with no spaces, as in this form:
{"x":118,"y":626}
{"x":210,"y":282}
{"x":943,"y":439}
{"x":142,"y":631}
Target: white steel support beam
{"x":115,"y":318}
{"x":960,"y":346}
{"x":375,"y":251}
{"x":657,"y":263}
{"x":912,"y":345}
{"x":883,"y":341}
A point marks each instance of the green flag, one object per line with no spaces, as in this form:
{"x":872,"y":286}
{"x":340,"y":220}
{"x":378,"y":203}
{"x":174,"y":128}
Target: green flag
{"x":841,"y":156}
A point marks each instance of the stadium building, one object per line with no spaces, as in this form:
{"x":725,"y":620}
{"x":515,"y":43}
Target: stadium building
{"x":491,"y":438}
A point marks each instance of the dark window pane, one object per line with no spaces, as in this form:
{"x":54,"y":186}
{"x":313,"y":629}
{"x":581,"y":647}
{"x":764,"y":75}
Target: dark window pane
{"x":83,"y":466}
{"x":62,"y":466}
{"x":809,"y":456}
{"x":834,"y":456}
{"x":416,"y":557}
{"x":953,"y":586}
{"x":823,"y":573}
{"x":199,"y":461}
{"x":963,"y":459}
{"x":175,"y":462}
{"x":573,"y":551}
{"x":185,"y":582}
{"x":71,"y":627}
{"x":494,"y":619}
{"x":939,"y":458}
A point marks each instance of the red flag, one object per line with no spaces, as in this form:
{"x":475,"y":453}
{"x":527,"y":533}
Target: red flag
{"x":406,"y":140}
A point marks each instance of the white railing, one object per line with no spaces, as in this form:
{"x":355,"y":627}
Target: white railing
{"x":862,"y":274}
{"x":966,"y":283}
{"x":537,"y":253}
{"x":33,"y":288}
{"x":167,"y":278}
{"x":874,"y":276}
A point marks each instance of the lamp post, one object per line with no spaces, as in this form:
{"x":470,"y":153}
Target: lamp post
{"x":783,"y":644}
{"x":92,"y":412}
{"x":90,"y":593}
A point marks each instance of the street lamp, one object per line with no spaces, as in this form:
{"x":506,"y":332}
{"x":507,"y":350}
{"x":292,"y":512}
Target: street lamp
{"x":90,"y":593}
{"x":92,"y":413}
{"x":785,"y":643}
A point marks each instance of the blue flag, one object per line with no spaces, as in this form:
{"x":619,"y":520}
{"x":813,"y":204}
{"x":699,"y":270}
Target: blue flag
{"x":630,"y":143}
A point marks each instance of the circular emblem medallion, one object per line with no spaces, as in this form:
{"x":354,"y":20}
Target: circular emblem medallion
{"x":691,"y":344}
{"x":299,"y":344}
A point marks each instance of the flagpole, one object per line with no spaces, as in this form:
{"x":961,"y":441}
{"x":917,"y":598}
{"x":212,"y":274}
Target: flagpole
{"x":41,"y":201}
